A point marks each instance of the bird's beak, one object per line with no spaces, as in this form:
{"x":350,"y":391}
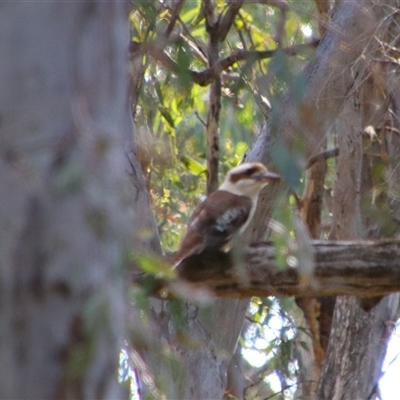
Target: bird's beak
{"x":268,"y":177}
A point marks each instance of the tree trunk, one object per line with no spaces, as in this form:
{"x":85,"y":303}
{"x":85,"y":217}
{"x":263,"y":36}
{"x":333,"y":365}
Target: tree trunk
{"x":356,"y":350}
{"x":64,"y":225}
{"x":338,"y":69}
{"x":342,"y":58}
{"x":205,"y":342}
{"x":352,"y":372}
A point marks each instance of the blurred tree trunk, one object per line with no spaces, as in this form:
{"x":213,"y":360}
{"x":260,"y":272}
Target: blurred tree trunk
{"x":64,"y":218}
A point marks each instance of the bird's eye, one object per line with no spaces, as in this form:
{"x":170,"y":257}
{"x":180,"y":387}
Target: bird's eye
{"x":252,"y":171}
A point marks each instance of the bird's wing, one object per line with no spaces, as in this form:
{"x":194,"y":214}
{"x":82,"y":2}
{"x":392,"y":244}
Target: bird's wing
{"x":214,"y":222}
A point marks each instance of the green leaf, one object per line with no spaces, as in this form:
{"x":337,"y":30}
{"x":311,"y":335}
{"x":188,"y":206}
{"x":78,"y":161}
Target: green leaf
{"x":155,"y":266}
{"x":192,"y":165}
{"x":165,"y":113}
{"x":189,"y":15}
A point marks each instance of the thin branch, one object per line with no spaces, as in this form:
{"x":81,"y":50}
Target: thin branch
{"x":194,"y":44}
{"x":200,"y":119}
{"x":226,"y":20}
{"x":324,"y":155}
{"x":205,"y":77}
{"x":208,"y":11}
{"x":156,"y":52}
{"x":174,"y":17}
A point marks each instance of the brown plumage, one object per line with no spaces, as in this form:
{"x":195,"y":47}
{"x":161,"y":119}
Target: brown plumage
{"x":226,"y":212}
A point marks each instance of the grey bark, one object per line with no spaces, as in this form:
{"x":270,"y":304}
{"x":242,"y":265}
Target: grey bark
{"x":64,"y":221}
{"x":352,"y":372}
{"x":356,"y":350}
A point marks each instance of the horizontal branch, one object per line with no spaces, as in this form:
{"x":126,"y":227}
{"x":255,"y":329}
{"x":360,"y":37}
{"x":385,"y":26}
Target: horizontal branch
{"x":205,"y":77}
{"x":361,"y":268}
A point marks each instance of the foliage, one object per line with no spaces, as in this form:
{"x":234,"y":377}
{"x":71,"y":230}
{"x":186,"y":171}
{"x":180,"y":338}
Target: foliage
{"x":172,"y":109}
{"x":171,"y":106}
{"x":178,"y":61}
{"x":272,"y":337}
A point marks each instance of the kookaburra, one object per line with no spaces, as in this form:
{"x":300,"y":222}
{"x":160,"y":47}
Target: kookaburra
{"x":226,"y":212}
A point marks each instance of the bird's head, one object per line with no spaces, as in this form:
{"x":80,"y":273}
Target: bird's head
{"x":248,"y":179}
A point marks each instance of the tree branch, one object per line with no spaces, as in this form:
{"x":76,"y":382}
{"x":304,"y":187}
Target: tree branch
{"x":174,"y":10}
{"x":361,"y":268}
{"x":226,"y":20}
{"x":324,"y":155}
{"x":205,"y":77}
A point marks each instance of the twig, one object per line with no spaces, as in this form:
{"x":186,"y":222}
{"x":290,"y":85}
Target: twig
{"x":324,"y":155}
{"x":200,"y":119}
{"x":174,"y":17}
{"x":225,"y":21}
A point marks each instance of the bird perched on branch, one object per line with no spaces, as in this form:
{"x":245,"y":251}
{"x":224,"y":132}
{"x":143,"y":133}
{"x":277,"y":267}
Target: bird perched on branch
{"x":226,"y":212}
